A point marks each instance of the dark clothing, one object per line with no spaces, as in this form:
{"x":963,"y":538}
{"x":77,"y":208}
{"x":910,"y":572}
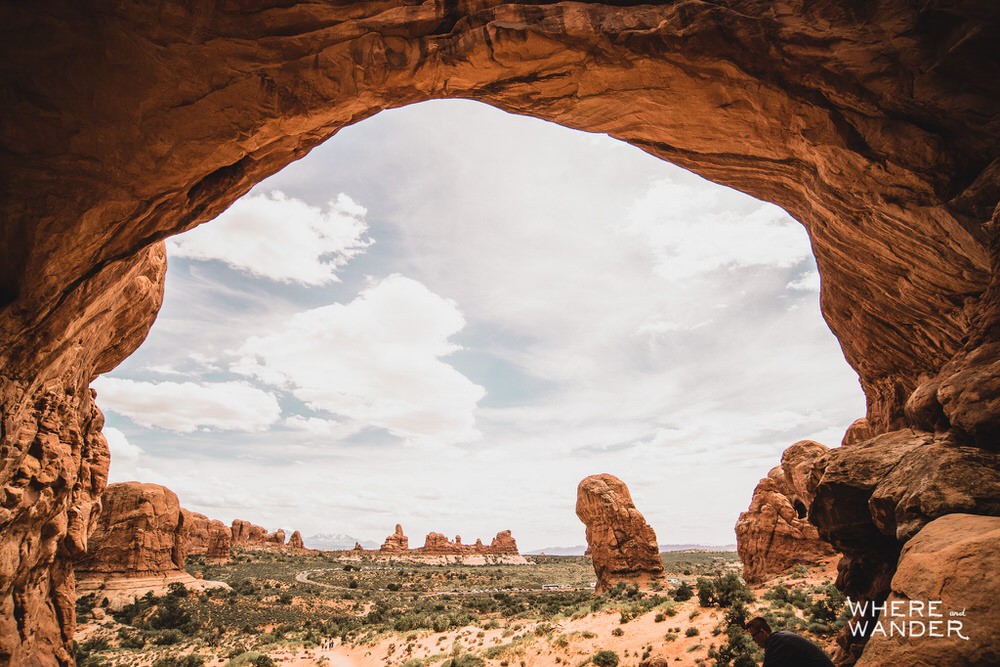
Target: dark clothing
{"x":787,"y":649}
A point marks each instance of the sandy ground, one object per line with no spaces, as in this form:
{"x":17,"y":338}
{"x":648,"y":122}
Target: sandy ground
{"x":570,"y":643}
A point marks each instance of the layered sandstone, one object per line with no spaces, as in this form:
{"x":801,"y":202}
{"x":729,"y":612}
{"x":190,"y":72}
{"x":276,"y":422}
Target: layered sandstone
{"x":622,"y":545}
{"x":207,"y":537}
{"x":139,"y":544}
{"x":872,"y":123}
{"x":245,"y":533}
{"x":871,"y":498}
{"x":945,"y":563}
{"x":774,"y":533}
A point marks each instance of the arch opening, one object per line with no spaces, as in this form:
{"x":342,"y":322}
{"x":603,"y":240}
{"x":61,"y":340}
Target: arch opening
{"x":896,"y":183}
{"x":563,"y":305}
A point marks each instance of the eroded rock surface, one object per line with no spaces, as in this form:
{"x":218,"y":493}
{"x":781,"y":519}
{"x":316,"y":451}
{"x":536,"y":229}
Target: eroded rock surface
{"x":245,"y":533}
{"x":953,"y":561}
{"x":622,"y":545}
{"x":871,"y":498}
{"x":207,"y":537}
{"x":139,"y":544}
{"x":295,"y":541}
{"x":774,"y":533}
{"x":872,"y":123}
{"x":397,"y":542}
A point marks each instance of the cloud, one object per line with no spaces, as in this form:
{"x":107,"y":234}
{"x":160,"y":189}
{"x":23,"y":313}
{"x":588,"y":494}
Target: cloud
{"x":697,"y":230}
{"x":376,"y":360}
{"x":124,"y":456}
{"x":189,"y":406}
{"x":280,"y":238}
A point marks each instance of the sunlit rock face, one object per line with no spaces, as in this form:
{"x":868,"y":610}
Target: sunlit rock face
{"x":139,"y":544}
{"x":207,"y":537}
{"x":774,"y":533}
{"x":872,"y":498}
{"x":943,"y":613}
{"x":871,"y":123}
{"x":622,"y":545}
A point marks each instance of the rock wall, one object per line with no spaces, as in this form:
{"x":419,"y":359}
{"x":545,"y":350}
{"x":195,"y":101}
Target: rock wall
{"x":872,"y":123}
{"x":140,"y":531}
{"x":774,"y":533}
{"x":207,"y":537}
{"x":944,"y":565}
{"x":245,"y":533}
{"x":622,"y":545}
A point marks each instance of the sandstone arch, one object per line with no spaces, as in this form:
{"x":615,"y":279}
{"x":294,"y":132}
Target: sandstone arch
{"x":873,"y":123}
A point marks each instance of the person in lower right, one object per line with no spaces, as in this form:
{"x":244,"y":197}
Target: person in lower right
{"x":785,"y":649}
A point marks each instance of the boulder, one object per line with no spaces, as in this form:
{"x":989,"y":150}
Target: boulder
{"x":774,"y":533}
{"x":623,"y":546}
{"x":942,"y":607}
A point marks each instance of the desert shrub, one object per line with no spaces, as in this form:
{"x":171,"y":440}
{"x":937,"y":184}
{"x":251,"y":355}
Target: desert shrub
{"x":660,"y":617}
{"x":683,"y":592}
{"x":605,"y":659}
{"x":739,"y":651}
{"x":691,"y":632}
{"x":617,"y":632}
{"x":723,"y":590}
{"x":179,"y":661}
{"x":168,"y":638}
{"x":828,"y":609}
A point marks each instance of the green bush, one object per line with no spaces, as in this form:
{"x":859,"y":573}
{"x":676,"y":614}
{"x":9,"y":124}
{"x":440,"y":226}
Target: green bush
{"x":739,"y":651}
{"x":605,"y":659}
{"x":691,"y":632}
{"x":683,"y":592}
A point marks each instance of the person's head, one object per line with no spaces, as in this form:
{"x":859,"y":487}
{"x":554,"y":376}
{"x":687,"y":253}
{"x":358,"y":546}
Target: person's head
{"x":759,"y":630}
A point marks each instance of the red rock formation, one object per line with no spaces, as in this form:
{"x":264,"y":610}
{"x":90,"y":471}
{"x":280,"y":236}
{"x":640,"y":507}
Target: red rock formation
{"x":872,"y":123}
{"x":622,"y":545}
{"x":946,"y":561}
{"x":277,"y":537}
{"x":208,"y":537}
{"x":397,"y":542}
{"x":295,"y":541}
{"x":774,"y":533}
{"x":503,"y":543}
{"x":139,"y":545}
{"x":358,"y":547}
{"x":436,"y":544}
{"x":139,"y":532}
{"x":871,"y":498}
{"x":245,"y":533}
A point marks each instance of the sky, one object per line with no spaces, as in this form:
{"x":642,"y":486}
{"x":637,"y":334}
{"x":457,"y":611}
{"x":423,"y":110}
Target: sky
{"x":447,"y":316}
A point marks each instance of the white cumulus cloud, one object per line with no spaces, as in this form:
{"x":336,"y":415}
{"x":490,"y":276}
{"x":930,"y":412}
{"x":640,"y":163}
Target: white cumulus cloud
{"x":124,"y":456}
{"x":280,"y":238}
{"x":376,"y":360}
{"x":186,"y":407}
{"x":694,"y":231}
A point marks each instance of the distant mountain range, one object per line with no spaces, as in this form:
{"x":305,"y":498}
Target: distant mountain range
{"x":328,"y":542}
{"x":580,"y":549}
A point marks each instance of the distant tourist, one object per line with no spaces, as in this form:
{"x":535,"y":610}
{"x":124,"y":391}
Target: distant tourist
{"x":785,"y":649}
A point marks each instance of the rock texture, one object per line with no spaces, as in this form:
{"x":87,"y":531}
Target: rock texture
{"x":871,"y":498}
{"x":397,"y":542}
{"x":245,"y":533}
{"x":139,"y":544}
{"x":295,"y":541}
{"x":948,"y":560}
{"x":873,"y":123}
{"x":207,"y":537}
{"x":774,"y":533}
{"x":623,"y":546}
